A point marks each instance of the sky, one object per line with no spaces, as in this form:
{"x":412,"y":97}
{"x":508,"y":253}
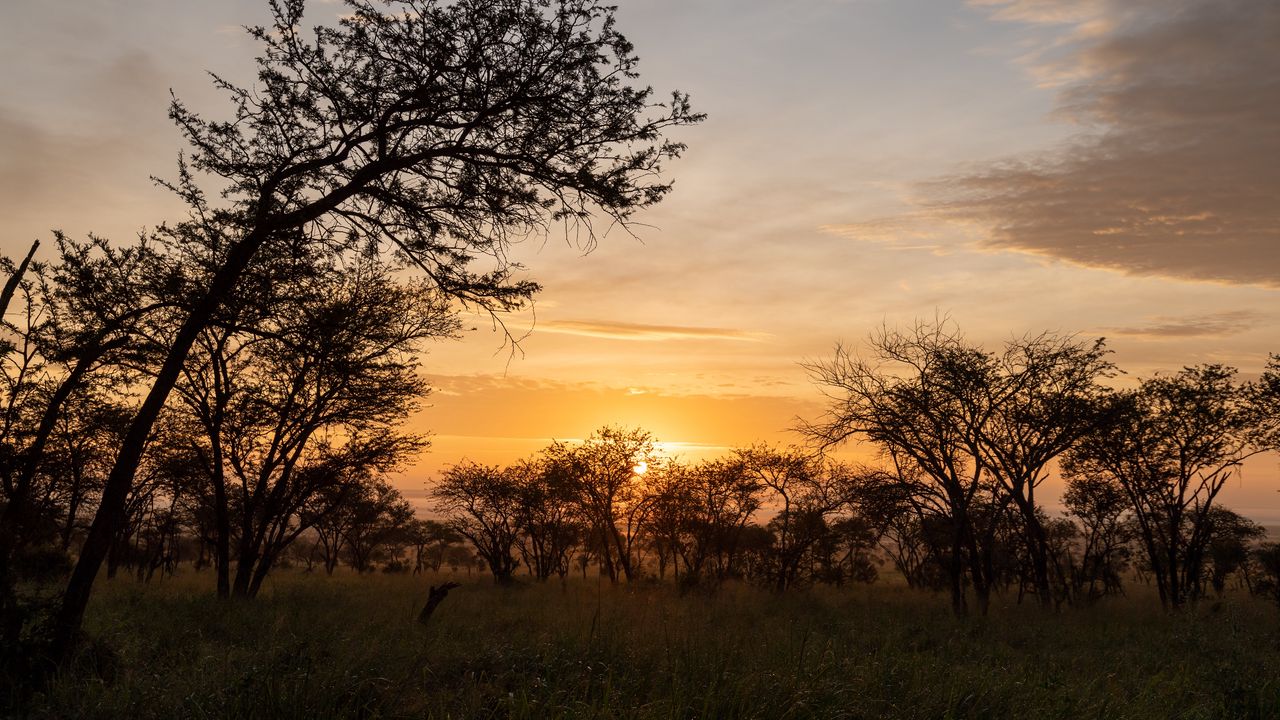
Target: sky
{"x":1100,"y":167}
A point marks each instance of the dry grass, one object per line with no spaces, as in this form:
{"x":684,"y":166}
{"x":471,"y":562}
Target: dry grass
{"x":318,"y":647}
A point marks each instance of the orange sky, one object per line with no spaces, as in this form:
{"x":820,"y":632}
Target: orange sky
{"x":1105,"y":167}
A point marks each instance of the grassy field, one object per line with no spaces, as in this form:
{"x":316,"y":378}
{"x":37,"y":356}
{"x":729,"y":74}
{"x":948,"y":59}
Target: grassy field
{"x":316,"y":647}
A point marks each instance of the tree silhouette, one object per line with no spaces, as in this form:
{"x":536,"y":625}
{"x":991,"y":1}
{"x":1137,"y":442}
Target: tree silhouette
{"x":698,"y":514}
{"x":549,"y":519}
{"x":434,"y":132}
{"x":1040,"y":396}
{"x":797,"y":480}
{"x":79,"y":332}
{"x":908,"y":399}
{"x":900,"y":515}
{"x":484,"y":505}
{"x":1101,"y":508}
{"x":1173,"y":445}
{"x":980,"y":427}
{"x":1228,"y":546}
{"x":381,"y":517}
{"x":1266,"y":406}
{"x":612,"y":495}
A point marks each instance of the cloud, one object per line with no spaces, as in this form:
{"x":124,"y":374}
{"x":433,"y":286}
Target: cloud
{"x":1043,"y":11}
{"x":914,"y":231}
{"x":647,"y":333}
{"x":47,"y":177}
{"x":1216,"y":324}
{"x":1175,"y":173}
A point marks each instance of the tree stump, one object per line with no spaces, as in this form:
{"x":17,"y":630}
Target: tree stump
{"x":435,"y":596}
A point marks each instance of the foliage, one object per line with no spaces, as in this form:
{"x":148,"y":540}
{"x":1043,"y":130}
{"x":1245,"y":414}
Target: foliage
{"x":416,"y":134}
{"x":968,"y":432}
{"x":1171,"y":447}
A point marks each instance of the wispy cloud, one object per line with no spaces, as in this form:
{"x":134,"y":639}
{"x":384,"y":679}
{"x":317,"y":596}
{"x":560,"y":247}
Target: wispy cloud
{"x":914,"y":231}
{"x":645,"y":333}
{"x":1043,"y":11}
{"x":1215,"y":324}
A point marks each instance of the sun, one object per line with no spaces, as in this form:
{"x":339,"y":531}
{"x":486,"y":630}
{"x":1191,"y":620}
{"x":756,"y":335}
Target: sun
{"x":641,"y":468}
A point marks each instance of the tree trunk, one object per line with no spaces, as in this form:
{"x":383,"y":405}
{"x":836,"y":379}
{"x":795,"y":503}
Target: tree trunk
{"x":260,"y":573}
{"x":221,"y":511}
{"x":956,"y":571}
{"x":1038,"y":545}
{"x":435,"y":596}
{"x":75,"y":599}
{"x":246,"y":561}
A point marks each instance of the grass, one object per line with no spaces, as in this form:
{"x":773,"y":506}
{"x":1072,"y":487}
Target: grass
{"x":316,"y":647}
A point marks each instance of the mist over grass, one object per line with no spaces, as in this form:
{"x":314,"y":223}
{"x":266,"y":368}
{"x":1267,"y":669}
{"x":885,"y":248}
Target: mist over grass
{"x":348,"y":646}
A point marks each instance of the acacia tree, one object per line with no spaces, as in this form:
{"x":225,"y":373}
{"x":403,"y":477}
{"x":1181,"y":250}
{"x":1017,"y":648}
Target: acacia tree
{"x":1171,"y":449}
{"x":698,"y":515}
{"x":611,"y":493}
{"x":906,"y":398}
{"x":213,"y":379}
{"x":672,"y":509}
{"x":379,"y":516}
{"x":981,"y":426}
{"x":85,"y":435}
{"x":483,"y":504}
{"x":72,"y":340}
{"x":431,"y":540}
{"x":900,"y":512}
{"x":330,"y":513}
{"x":549,"y":521}
{"x":1037,"y":398}
{"x":1266,"y":407}
{"x":437,"y":132}
{"x":1101,"y":508}
{"x":799,"y":484}
{"x":1227,"y":548}
{"x":336,"y":371}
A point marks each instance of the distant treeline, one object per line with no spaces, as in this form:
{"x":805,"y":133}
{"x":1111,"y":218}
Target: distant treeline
{"x":287,"y":418}
{"x":784,"y":517}
{"x":965,"y":437}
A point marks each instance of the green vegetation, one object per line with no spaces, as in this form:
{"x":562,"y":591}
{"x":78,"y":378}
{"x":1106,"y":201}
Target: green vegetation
{"x":348,"y":646}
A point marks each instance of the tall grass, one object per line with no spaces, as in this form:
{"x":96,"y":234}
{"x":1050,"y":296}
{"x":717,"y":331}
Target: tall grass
{"x":316,"y":647}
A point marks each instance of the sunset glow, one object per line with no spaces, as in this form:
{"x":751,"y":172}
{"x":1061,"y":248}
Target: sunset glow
{"x":640,"y":359}
{"x":1021,"y":166}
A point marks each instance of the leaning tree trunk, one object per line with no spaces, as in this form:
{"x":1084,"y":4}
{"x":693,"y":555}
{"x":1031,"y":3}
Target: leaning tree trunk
{"x":70,"y":616}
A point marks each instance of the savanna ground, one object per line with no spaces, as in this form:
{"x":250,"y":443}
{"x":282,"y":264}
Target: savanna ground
{"x":347,"y":646}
